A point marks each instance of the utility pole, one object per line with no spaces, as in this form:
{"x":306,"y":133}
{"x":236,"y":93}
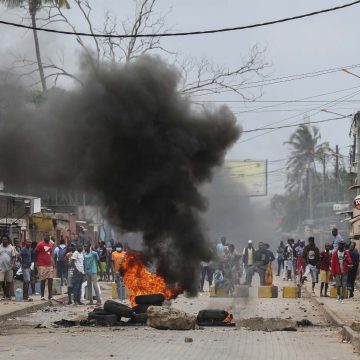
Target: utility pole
{"x":337,"y":171}
{"x":311,"y":215}
{"x":357,"y":126}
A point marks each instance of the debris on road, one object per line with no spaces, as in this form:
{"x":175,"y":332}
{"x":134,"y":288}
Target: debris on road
{"x":166,"y":318}
{"x":271,"y":324}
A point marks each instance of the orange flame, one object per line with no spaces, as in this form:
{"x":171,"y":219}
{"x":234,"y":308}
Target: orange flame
{"x":140,"y":281}
{"x":228,"y":319}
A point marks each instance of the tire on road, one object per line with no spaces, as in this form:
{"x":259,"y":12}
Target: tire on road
{"x":139,"y":318}
{"x":117,"y":308}
{"x":97,"y":312}
{"x":211,"y":315}
{"x":142,"y":308}
{"x":105,"y":320}
{"x":152,"y":299}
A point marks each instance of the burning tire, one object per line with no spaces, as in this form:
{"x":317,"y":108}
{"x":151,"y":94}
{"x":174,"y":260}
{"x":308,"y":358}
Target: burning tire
{"x":117,"y":308}
{"x":104,"y":319}
{"x":152,"y":299}
{"x":139,"y":318}
{"x":210,"y":317}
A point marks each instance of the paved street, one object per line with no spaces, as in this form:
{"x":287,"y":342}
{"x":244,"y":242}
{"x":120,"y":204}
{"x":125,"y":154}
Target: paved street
{"x":319,"y":341}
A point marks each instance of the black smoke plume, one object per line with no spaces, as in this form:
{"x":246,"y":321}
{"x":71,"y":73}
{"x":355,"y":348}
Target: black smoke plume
{"x":130,"y":137}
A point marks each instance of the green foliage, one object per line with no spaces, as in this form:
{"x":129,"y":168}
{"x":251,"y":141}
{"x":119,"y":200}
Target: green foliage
{"x":305,"y":152}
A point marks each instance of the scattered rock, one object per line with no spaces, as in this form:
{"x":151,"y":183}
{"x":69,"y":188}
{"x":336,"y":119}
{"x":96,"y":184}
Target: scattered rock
{"x":165,"y":318}
{"x":188,"y":340}
{"x":355,"y":326}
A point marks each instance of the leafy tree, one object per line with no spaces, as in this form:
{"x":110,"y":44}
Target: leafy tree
{"x":306,"y":150}
{"x":34,"y":6}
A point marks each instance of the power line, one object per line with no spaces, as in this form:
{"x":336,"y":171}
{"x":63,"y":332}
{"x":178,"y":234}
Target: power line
{"x":293,"y":125}
{"x":304,"y":113}
{"x":169,"y":34}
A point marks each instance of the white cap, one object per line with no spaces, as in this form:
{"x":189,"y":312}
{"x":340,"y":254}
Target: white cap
{"x":250,"y":242}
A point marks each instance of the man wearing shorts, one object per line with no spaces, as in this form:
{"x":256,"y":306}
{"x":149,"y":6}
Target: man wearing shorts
{"x":45,"y":264}
{"x":311,"y":256}
{"x":7,"y":263}
{"x":25,"y":256}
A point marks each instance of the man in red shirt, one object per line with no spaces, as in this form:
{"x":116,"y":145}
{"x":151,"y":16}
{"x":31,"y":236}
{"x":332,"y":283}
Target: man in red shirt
{"x":340,"y":263}
{"x":45,"y":264}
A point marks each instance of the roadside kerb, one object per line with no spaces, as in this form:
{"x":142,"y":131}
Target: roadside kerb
{"x":346,"y":331}
{"x":29,"y":308}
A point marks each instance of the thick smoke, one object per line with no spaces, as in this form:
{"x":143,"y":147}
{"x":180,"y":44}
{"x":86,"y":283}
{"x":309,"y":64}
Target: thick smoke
{"x":132,"y":139}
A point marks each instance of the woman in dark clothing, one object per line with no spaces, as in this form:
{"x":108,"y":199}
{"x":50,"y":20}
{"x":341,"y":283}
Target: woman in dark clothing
{"x":354,"y":254}
{"x":280,"y":257}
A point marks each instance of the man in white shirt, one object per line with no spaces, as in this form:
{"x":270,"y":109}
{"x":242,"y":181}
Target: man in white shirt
{"x":78,"y":263}
{"x":7,"y":263}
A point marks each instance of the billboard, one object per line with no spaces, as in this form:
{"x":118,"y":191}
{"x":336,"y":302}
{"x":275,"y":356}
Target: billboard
{"x":251,"y":173}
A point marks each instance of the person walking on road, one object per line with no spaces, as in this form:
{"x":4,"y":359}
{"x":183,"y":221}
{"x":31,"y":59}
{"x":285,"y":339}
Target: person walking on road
{"x":77,"y":259}
{"x":325,"y":261}
{"x":354,"y":254}
{"x":91,"y":259}
{"x":117,"y":257}
{"x":59,"y":256}
{"x":311,"y":256}
{"x":7,"y":264}
{"x":340,"y":263}
{"x":26,"y":261}
{"x":45,"y":264}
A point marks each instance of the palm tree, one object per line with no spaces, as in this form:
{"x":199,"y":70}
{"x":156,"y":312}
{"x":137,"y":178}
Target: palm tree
{"x":34,"y":6}
{"x":305,"y":152}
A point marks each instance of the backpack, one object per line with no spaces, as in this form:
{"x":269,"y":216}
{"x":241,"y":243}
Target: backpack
{"x":61,"y":254}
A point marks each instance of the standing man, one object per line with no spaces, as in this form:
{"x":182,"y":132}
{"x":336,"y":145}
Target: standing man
{"x":325,"y":260}
{"x":261,"y":259}
{"x":337,"y":238}
{"x":311,"y":256}
{"x":102,"y":261}
{"x":26,"y":260}
{"x":77,"y":260}
{"x":280,"y":257}
{"x":59,"y":255}
{"x":117,"y":257}
{"x":220,"y":247}
{"x":45,"y":264}
{"x":288,"y":259}
{"x":354,"y":254}
{"x":248,"y":255}
{"x":91,"y":259}
{"x":340,"y":262}
{"x":7,"y":264}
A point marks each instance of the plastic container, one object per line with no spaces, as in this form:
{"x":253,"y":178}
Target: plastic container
{"x":19,"y":295}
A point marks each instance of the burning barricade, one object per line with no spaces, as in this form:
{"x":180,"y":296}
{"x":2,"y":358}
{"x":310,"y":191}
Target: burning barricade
{"x":147,"y":293}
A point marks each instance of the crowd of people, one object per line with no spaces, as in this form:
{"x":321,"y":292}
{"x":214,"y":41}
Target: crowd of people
{"x":80,"y":266}
{"x":336,"y":264}
{"x":229,"y":266}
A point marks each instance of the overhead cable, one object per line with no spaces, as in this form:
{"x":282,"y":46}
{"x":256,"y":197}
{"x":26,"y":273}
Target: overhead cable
{"x":171,"y":34}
